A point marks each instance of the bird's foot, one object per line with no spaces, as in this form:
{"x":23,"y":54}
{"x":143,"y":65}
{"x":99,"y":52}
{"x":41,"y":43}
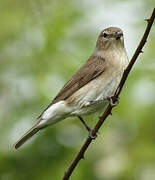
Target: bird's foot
{"x":112,"y":103}
{"x":90,"y":131}
{"x":91,"y":134}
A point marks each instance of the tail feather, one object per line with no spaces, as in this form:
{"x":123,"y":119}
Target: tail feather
{"x":27,"y":136}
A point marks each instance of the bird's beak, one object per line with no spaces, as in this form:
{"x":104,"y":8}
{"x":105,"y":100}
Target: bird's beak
{"x":118,"y":35}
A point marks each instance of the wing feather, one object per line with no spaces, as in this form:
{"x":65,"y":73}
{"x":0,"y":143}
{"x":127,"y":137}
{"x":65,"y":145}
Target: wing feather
{"x":93,"y":67}
{"x":90,"y":70}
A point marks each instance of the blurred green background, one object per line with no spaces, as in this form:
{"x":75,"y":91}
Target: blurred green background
{"x":42,"y":43}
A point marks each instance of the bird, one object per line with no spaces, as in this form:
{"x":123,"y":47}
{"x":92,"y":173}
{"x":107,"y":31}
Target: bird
{"x":91,"y":87}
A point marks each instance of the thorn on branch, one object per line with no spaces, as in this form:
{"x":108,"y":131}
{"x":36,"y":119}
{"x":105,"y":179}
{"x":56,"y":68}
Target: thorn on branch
{"x":141,"y":51}
{"x":82,"y":157}
{"x":147,"y":20}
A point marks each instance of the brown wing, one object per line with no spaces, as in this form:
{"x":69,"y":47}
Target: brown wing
{"x":91,"y":69}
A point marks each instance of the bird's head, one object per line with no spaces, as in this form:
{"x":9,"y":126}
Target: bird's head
{"x":109,"y":38}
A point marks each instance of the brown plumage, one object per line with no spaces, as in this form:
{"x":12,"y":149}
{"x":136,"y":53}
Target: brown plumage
{"x":27,"y":136}
{"x":94,"y":81}
{"x":90,"y":70}
{"x":93,"y":67}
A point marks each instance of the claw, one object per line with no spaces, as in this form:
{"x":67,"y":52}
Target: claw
{"x":112,"y":103}
{"x":92,"y":136}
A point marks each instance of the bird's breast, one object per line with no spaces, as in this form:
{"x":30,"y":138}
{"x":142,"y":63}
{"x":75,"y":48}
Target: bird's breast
{"x":98,"y":89}
{"x":101,"y":87}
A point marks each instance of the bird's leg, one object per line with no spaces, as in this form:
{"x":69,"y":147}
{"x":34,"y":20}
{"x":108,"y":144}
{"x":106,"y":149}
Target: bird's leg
{"x":112,"y":103}
{"x":88,"y":128}
{"x":84,"y":123}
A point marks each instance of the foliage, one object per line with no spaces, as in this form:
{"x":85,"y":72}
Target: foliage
{"x":42,"y":43}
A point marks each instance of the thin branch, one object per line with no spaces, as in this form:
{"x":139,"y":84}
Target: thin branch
{"x":109,"y":108}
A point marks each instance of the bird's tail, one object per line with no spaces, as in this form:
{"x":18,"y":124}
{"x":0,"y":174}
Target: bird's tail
{"x":27,"y":135}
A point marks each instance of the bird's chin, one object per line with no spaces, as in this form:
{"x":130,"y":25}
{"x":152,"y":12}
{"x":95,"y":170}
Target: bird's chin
{"x":118,"y":38}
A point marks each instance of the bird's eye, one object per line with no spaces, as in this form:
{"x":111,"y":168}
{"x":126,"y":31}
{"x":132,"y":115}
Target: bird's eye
{"x":105,"y":35}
